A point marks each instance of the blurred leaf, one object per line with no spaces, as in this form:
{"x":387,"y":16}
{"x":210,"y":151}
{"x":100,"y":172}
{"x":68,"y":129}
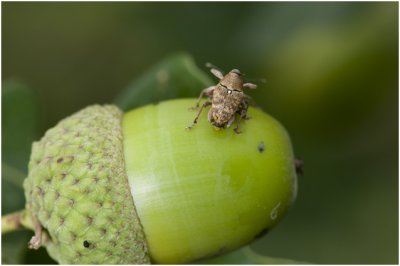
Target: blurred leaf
{"x":19,"y":117}
{"x":19,"y":120}
{"x":39,"y":256}
{"x":11,"y":189}
{"x":176,"y":76}
{"x":14,"y":247}
{"x":246,"y":255}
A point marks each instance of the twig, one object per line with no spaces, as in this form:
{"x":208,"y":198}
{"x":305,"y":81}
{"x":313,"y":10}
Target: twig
{"x":16,"y":221}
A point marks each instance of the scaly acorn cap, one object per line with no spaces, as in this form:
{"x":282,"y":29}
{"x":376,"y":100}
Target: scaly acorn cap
{"x":78,"y":194}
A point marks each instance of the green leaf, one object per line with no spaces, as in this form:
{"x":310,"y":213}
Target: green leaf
{"x":11,"y":189}
{"x":176,"y":76}
{"x":246,"y":255}
{"x":14,"y":247}
{"x":19,"y":118}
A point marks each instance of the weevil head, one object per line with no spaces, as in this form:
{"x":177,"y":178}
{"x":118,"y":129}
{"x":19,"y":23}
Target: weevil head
{"x":233,"y":80}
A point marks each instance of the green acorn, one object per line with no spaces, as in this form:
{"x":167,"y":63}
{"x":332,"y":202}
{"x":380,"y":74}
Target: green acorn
{"x":111,"y":188}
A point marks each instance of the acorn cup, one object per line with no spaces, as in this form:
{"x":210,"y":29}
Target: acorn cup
{"x":107,"y":187}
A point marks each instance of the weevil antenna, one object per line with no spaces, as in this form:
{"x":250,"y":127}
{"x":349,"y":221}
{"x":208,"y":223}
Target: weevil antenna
{"x":209,"y":65}
{"x":258,"y":80}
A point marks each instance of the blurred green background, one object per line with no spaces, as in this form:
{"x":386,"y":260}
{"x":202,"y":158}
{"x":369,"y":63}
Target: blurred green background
{"x":332,"y":81}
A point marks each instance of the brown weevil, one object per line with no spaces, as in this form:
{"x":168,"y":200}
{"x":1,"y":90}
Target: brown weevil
{"x":226,"y":99}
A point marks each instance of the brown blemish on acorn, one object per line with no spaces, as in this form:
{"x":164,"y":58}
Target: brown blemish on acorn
{"x":89,"y":220}
{"x":261,"y":147}
{"x":299,"y":166}
{"x":113,"y":243}
{"x":71,"y":202}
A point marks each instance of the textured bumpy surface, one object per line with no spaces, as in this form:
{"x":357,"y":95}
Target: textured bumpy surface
{"x":78,"y":191}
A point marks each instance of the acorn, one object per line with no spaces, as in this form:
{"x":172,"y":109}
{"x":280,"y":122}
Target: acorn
{"x":107,"y":187}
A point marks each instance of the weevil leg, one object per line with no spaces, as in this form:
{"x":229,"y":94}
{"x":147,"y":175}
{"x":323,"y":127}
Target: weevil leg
{"x":208,"y":92}
{"x":243,"y":115}
{"x":230,"y":121}
{"x":207,"y":103}
{"x":250,"y":101}
{"x":210,"y":116}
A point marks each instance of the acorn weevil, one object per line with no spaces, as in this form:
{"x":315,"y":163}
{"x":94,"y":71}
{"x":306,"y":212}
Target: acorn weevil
{"x":226,"y":99}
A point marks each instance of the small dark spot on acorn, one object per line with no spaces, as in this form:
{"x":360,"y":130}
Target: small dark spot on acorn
{"x":40,"y":191}
{"x":86,"y":244}
{"x":60,"y":160}
{"x":261,"y":147}
{"x":89,"y":220}
{"x":71,"y":202}
{"x":262,"y":233}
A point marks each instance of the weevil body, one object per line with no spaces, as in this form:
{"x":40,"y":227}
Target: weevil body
{"x":226,"y":99}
